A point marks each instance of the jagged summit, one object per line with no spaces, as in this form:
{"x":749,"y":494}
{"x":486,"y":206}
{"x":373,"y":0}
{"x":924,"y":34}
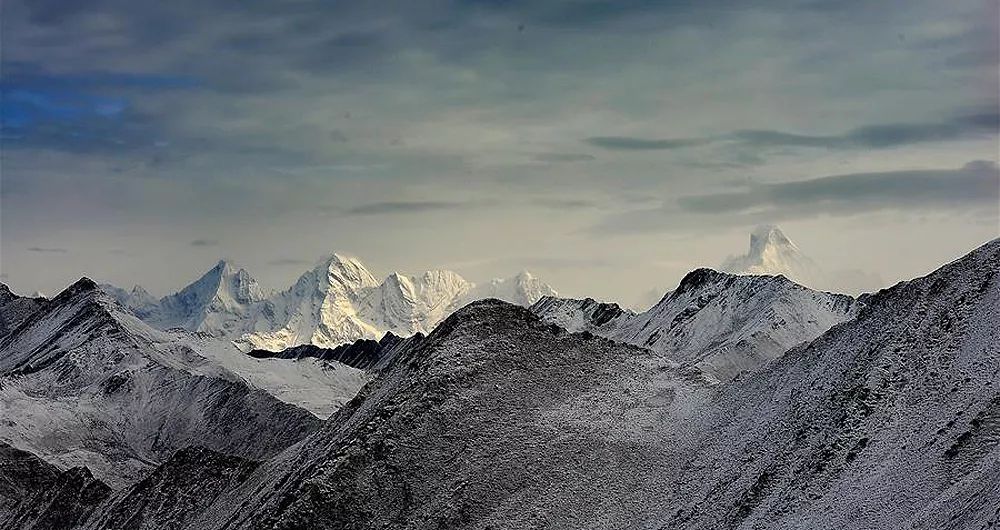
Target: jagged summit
{"x":765,"y":236}
{"x":346,"y":270}
{"x":83,"y":285}
{"x":217,"y":303}
{"x":523,"y":289}
{"x":337,"y":301}
{"x":771,"y":252}
{"x":698,"y":278}
{"x":720,"y":323}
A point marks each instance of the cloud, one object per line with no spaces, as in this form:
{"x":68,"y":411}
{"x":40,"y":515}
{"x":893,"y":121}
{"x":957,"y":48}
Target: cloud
{"x":404,"y":207}
{"x":631,"y":143}
{"x":972,"y":190}
{"x":565,"y":204}
{"x":880,"y":136}
{"x":563,"y":157}
{"x":978,"y":183}
{"x":53,"y":250}
{"x":80,"y":111}
{"x":204,"y":243}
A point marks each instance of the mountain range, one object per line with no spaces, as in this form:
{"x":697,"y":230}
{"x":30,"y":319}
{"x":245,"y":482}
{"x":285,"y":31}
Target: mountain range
{"x":722,"y":324}
{"x":337,"y":302}
{"x":736,"y":402}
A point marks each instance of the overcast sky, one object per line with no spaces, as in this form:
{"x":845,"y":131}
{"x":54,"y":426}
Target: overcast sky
{"x":607,"y":146}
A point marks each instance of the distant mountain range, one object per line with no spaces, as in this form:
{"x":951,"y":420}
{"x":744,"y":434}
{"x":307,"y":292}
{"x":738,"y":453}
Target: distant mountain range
{"x":337,"y":302}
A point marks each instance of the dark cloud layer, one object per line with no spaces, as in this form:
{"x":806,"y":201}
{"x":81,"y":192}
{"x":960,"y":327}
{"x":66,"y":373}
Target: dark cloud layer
{"x":204,"y":243}
{"x":404,"y":207}
{"x":563,"y":157}
{"x":630,"y":143}
{"x":976,"y":183}
{"x":880,"y":136}
{"x":48,"y":250}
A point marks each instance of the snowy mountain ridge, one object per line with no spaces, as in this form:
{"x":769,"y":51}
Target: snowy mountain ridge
{"x":889,"y":420}
{"x":336,"y":302}
{"x":721,"y":323}
{"x":84,"y":382}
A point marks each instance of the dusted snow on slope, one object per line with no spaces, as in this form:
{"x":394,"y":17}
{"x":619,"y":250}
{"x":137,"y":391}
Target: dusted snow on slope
{"x":15,"y":309}
{"x":84,"y":382}
{"x":721,"y":323}
{"x":890,"y":420}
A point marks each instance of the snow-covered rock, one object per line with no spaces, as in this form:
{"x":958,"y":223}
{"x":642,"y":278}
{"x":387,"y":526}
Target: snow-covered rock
{"x":405,"y":305}
{"x":15,"y":309}
{"x":220,"y":303}
{"x":336,"y":302}
{"x":320,"y":309}
{"x":721,"y":323}
{"x":523,"y":290}
{"x":85,"y":382}
{"x":340,"y":301}
{"x":888,"y":420}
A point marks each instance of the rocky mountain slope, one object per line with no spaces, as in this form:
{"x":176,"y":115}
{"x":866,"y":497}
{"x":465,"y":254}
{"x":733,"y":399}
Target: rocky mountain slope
{"x":721,"y":323}
{"x":364,"y":354}
{"x":35,"y":495}
{"x":497,"y":420}
{"x":15,"y":309}
{"x":164,"y":500}
{"x":83,"y":382}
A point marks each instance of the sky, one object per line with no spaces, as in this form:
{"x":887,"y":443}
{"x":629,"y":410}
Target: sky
{"x":607,"y":146}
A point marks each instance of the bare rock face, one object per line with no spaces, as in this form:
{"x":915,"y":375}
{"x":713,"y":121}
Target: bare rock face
{"x":15,"y":309}
{"x":35,"y":495}
{"x":364,"y":354}
{"x":175,"y":491}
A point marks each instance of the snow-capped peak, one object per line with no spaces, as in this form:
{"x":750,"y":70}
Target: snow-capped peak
{"x":768,"y":238}
{"x":218,"y":303}
{"x":522,"y":289}
{"x":337,"y":301}
{"x":345,"y":271}
{"x":773,"y":253}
